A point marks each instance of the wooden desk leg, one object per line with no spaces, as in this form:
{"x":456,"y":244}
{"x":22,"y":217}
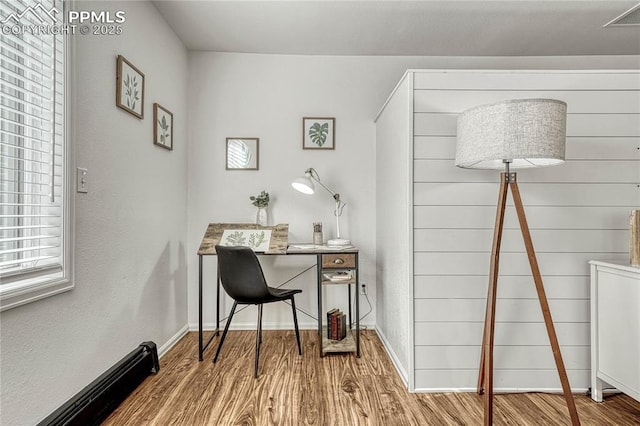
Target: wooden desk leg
{"x":200,"y":349}
{"x":320,"y":313}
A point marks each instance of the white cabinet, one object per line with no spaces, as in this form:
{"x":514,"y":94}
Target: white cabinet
{"x":615,"y":329}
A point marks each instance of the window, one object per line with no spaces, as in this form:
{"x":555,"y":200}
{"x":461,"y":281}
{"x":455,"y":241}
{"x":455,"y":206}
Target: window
{"x":34,"y":201}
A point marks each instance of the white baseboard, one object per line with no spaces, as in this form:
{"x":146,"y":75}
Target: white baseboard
{"x":394,"y":359}
{"x":172,"y":341}
{"x":445,"y":390}
{"x":501,"y":390}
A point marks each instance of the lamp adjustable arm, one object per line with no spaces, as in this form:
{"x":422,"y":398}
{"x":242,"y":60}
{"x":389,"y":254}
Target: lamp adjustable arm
{"x":305,"y":185}
{"x":313,"y":174}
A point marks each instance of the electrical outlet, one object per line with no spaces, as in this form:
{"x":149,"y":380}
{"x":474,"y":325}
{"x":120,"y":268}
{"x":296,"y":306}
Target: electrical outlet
{"x":363,"y":289}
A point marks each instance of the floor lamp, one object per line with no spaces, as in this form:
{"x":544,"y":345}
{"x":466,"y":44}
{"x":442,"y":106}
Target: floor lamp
{"x":518,"y":133}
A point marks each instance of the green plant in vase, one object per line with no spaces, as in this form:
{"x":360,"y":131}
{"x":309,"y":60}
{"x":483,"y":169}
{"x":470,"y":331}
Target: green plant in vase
{"x":261,"y":201}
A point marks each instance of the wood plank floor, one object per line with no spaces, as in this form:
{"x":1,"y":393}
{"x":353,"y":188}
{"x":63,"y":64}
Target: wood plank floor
{"x":335,"y":390}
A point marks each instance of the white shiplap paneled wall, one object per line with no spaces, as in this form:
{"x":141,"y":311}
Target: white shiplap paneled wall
{"x":577,"y":212}
{"x":394,"y":283}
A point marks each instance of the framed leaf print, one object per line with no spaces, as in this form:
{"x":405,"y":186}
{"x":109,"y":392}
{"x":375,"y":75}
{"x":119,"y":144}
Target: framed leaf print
{"x":318,"y":133}
{"x":162,"y":127}
{"x":129,"y":87}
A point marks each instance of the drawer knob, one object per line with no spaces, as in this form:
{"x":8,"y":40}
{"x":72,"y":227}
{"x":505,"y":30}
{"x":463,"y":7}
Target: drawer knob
{"x":338,"y":261}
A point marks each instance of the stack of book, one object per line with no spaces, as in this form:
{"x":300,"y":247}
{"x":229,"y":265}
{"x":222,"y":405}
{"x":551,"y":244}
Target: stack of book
{"x":336,"y":325}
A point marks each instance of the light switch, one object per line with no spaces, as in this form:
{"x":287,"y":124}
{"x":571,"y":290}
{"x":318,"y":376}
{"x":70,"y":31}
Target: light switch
{"x":82,"y":180}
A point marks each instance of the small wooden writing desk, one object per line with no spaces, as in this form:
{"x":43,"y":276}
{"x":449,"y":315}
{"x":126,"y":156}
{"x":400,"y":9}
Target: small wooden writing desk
{"x":278,"y":246}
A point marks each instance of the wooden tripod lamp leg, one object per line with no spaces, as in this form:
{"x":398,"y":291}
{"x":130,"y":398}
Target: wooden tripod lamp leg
{"x":485,"y":376}
{"x":546,"y":313}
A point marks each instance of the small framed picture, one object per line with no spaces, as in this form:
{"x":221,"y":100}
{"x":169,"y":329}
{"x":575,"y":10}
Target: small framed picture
{"x":163,"y":126}
{"x":318,"y":133}
{"x":129,"y":87}
{"x":243,"y":153}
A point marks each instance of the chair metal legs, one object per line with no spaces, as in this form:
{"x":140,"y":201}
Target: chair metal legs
{"x":224,"y":334}
{"x":258,"y":340}
{"x":295,"y":322}
{"x":258,"y":333}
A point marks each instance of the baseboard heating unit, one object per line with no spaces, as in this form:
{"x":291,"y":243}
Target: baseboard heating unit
{"x":95,"y":402}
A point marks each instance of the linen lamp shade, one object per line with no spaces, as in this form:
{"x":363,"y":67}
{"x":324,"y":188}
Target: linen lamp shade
{"x":521,"y":132}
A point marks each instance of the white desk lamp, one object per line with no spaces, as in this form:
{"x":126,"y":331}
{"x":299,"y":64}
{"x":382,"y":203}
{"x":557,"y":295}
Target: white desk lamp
{"x":518,"y":133}
{"x":305,"y":185}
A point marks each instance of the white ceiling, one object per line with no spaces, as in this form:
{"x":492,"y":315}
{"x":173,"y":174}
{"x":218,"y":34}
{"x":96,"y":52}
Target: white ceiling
{"x":399,"y":27}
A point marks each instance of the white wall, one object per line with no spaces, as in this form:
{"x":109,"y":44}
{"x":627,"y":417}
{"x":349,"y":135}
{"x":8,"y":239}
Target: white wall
{"x":394,"y":233}
{"x":130,"y":233}
{"x":266,"y":96}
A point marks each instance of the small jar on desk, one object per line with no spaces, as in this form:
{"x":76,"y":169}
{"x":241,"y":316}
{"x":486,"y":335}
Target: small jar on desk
{"x":317,"y":233}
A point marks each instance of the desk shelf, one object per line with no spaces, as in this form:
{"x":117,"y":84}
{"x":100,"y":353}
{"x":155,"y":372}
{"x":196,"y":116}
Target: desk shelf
{"x":338,"y":282}
{"x":336,"y":264}
{"x":348,"y":344}
{"x":351,"y":282}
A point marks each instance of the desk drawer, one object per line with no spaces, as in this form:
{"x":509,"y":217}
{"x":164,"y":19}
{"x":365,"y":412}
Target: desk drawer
{"x":338,"y":261}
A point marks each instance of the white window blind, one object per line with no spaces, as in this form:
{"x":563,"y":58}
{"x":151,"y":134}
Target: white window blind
{"x":32,"y":149}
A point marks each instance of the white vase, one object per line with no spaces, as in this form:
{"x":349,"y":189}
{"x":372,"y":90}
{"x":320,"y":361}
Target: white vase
{"x":261,"y":216}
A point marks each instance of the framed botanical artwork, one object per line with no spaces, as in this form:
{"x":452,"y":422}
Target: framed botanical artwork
{"x":243,"y":153}
{"x":318,"y":133}
{"x":163,"y":126}
{"x":129,"y":87}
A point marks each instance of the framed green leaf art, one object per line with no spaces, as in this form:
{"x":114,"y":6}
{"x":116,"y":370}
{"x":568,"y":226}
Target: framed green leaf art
{"x":163,"y":126}
{"x":318,"y":133}
{"x":129,"y":87}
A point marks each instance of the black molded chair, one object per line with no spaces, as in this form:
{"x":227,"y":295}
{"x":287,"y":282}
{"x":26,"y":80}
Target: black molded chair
{"x":243,"y":280}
